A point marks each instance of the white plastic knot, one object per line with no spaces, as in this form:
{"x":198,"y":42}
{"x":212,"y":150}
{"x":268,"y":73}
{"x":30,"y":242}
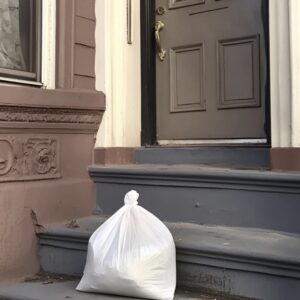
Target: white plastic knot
{"x":131,"y":198}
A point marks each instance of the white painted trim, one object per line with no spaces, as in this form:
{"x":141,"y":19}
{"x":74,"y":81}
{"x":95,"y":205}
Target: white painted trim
{"x":280,"y":73}
{"x":212,"y":142}
{"x":294,"y":25}
{"x":121,"y":124}
{"x":48,"y":43}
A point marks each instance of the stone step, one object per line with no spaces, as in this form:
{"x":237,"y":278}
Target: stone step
{"x":204,"y":195}
{"x":243,"y":262}
{"x":62,"y":290}
{"x":237,"y":157}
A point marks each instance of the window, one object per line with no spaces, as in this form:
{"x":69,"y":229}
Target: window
{"x":20,"y":40}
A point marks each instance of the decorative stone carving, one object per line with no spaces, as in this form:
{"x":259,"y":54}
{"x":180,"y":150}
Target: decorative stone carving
{"x":6,"y":157}
{"x":29,"y":158}
{"x":49,"y":115}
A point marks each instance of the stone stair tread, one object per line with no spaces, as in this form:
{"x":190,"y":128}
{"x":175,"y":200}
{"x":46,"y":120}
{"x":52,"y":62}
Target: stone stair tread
{"x":41,"y":290}
{"x":193,"y":170}
{"x":266,"y":246}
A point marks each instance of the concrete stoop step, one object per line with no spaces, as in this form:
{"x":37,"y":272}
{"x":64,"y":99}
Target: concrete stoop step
{"x":63,"y":290}
{"x":204,"y":195}
{"x":245,"y":262}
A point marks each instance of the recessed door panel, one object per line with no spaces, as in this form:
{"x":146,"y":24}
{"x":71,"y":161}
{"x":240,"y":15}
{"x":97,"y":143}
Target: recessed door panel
{"x":184,"y":3}
{"x":186,"y":81}
{"x":239,"y":62}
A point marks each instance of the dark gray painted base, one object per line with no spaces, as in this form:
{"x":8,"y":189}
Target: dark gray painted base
{"x":232,"y":261}
{"x":203,"y":195}
{"x":237,"y":282}
{"x":247,"y":157}
{"x":66,"y":290}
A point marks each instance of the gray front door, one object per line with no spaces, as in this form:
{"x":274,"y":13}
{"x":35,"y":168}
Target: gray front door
{"x":211,"y":82}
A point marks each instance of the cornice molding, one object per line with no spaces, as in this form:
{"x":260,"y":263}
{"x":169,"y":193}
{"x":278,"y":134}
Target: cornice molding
{"x":50,"y":115}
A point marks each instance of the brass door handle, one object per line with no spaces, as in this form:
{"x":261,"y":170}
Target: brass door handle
{"x":159,"y":25}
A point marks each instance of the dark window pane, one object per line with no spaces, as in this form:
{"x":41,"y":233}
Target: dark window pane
{"x":26,"y":32}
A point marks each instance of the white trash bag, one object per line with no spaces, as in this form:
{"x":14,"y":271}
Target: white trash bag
{"x":131,"y":254}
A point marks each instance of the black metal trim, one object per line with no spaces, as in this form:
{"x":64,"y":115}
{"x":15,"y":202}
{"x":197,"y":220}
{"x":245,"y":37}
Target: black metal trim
{"x":148,"y":77}
{"x":265,"y":18}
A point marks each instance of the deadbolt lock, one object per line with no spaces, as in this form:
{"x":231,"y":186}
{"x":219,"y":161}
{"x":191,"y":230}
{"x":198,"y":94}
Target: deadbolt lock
{"x":160,"y":10}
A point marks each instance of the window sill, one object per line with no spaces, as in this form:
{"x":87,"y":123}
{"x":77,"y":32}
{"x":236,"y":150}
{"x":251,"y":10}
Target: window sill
{"x":14,"y":95}
{"x":20,"y":81}
{"x":37,"y":108}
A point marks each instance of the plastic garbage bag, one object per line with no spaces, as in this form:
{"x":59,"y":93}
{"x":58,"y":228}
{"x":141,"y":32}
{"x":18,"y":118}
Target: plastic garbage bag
{"x":131,"y":254}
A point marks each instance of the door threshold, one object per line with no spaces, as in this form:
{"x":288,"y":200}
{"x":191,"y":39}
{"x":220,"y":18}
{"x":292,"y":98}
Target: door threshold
{"x":233,"y":157}
{"x":215,"y":142}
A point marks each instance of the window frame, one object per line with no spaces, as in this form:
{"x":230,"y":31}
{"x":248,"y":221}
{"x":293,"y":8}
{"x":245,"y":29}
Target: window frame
{"x":23,"y":77}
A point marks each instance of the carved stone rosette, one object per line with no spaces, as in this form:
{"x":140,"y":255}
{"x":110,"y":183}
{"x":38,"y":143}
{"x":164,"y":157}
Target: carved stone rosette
{"x":29,"y":158}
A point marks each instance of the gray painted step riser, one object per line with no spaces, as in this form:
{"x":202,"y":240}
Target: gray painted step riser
{"x":209,"y":204}
{"x":236,"y":282}
{"x":195,"y":276}
{"x":62,"y":261}
{"x":70,"y":261}
{"x":230,"y":156}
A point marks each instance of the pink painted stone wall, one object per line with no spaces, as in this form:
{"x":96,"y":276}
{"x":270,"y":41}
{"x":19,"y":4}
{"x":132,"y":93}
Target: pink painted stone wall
{"x":49,"y":201}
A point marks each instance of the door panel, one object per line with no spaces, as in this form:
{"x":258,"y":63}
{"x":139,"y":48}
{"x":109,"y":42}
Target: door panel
{"x":186,"y":81}
{"x":239,"y":63}
{"x":211,"y":84}
{"x":184,"y":3}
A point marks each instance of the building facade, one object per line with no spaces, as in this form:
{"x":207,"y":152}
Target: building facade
{"x":129,"y":87}
{"x":50,"y":113}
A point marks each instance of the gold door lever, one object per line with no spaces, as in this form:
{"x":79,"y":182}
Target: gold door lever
{"x":159,"y":25}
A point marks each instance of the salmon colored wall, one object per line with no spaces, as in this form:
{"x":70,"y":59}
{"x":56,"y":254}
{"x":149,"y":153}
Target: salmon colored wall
{"x":52,"y":200}
{"x":68,"y":116}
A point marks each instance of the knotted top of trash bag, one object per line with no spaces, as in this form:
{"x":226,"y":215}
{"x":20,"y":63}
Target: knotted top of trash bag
{"x":131,"y":198}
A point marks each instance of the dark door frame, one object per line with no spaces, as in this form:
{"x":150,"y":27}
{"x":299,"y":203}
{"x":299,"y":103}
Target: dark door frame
{"x":148,"y":72}
{"x":148,"y":77}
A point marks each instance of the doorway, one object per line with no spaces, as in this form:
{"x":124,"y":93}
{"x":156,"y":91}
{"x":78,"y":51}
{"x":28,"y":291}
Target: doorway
{"x":206,"y":76}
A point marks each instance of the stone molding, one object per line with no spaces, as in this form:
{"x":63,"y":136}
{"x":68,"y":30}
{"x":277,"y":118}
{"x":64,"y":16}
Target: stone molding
{"x":29,"y":158}
{"x":49,"y":115}
{"x":27,"y":107}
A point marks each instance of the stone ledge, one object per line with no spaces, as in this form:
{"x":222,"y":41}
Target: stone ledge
{"x":197,"y":176}
{"x":49,"y":117}
{"x":16,"y":95}
{"x":36,"y":108}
